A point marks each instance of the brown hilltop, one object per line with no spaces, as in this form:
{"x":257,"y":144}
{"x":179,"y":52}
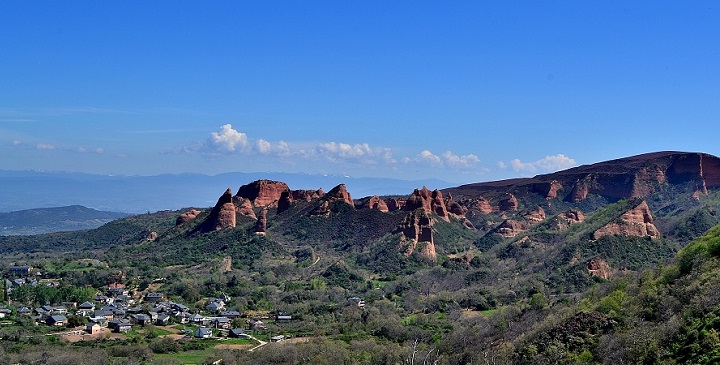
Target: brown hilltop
{"x":630,"y":177}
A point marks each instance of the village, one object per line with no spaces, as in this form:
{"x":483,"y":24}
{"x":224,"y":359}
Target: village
{"x":115,"y":311}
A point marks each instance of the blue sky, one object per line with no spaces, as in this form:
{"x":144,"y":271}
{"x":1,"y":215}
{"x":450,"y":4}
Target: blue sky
{"x":460,"y":91}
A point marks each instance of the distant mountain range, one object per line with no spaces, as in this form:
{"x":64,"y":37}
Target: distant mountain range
{"x":47,"y":220}
{"x":140,"y":194}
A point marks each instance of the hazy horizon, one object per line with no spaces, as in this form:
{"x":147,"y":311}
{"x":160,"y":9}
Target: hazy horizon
{"x":462,"y":92}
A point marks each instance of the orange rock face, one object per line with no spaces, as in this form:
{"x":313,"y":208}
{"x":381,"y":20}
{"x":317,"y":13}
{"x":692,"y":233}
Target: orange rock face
{"x":419,"y":199}
{"x":339,"y":193}
{"x":536,"y":215}
{"x":428,"y":202}
{"x":511,"y":228}
{"x":417,"y":235}
{"x":187,"y":216}
{"x":454,"y":207}
{"x":225,"y":217}
{"x":637,"y":222}
{"x":479,"y":204}
{"x":323,"y":209}
{"x":244,"y":207}
{"x":263,"y":193}
{"x":287,"y":198}
{"x":261,"y":224}
{"x":376,"y":203}
{"x":508,"y":203}
{"x":548,"y":189}
{"x":600,"y":268}
{"x":394,"y":204}
{"x":573,"y":216}
{"x":222,"y":215}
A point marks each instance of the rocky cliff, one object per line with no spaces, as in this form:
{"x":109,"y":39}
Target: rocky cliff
{"x":637,"y":221}
{"x":417,"y":235}
{"x":427,"y":201}
{"x":222,"y":215}
{"x":630,"y":177}
{"x":263,"y":193}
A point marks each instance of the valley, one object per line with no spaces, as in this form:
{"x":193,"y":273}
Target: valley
{"x":613,"y":262}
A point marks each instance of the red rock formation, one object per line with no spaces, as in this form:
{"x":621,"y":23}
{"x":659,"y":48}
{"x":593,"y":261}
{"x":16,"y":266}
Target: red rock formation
{"x":226,"y":213}
{"x":511,"y":228}
{"x":322,"y":209}
{"x":454,"y":207}
{"x":222,"y":215}
{"x":508,"y":203}
{"x":287,"y":198}
{"x":187,"y":216}
{"x":536,"y":215}
{"x":573,"y":216}
{"x":417,"y":235}
{"x":637,"y":222}
{"x":376,"y":203}
{"x":624,"y":178}
{"x":394,"y":204}
{"x":152,"y":236}
{"x":339,"y":193}
{"x":260,"y":227}
{"x":419,"y":199}
{"x":547,"y":189}
{"x":307,"y":195}
{"x":263,"y":193}
{"x":646,"y":181}
{"x":479,"y":204}
{"x":244,"y":207}
{"x":438,"y":205}
{"x":598,"y":267}
{"x":428,"y":202}
{"x":564,"y":220}
{"x":285,"y":202}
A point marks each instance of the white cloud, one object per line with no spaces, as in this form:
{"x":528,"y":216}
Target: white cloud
{"x":556,"y":163}
{"x":282,"y":148}
{"x":429,"y":158}
{"x":361,"y":152}
{"x":44,"y":146}
{"x":264,"y":146}
{"x":228,"y":140}
{"x":447,"y":159}
{"x":59,"y":148}
{"x":545,"y":164}
{"x":460,"y":161}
